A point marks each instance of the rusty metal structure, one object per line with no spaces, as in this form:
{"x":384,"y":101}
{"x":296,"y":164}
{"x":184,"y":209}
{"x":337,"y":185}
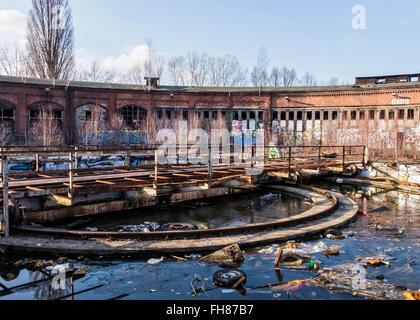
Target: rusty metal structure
{"x":45,"y":196}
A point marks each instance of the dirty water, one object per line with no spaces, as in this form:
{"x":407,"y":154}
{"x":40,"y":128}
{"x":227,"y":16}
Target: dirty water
{"x":237,"y":210}
{"x":396,"y":242}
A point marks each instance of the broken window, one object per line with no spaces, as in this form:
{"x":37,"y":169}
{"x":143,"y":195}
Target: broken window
{"x":291,"y":116}
{"x":391,"y":115}
{"x":326,"y":115}
{"x":335,"y":115}
{"x":309,"y":115}
{"x":410,"y":114}
{"x":185,"y":115}
{"x":300,"y":115}
{"x":382,"y":115}
{"x":283,"y":115}
{"x":317,"y":115}
{"x":261,"y":115}
{"x":215,"y":115}
{"x":159,"y":114}
{"x":236,"y":115}
{"x":132,"y":115}
{"x":372,"y":114}
{"x":244,"y":115}
{"x":252,"y":115}
{"x":168,"y":114}
{"x":206,"y":114}
{"x":401,"y":114}
{"x":353,"y":115}
{"x":275,"y":115}
{"x":7,"y":114}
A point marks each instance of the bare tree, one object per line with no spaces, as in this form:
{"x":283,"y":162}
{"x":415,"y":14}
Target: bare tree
{"x":197,"y":68}
{"x":50,"y":39}
{"x":177,"y":70}
{"x":96,"y":73}
{"x":275,"y":77}
{"x":6,"y":133}
{"x":46,"y":131}
{"x":226,"y":72}
{"x":154,"y":64}
{"x":333,"y":81}
{"x":259,"y":75}
{"x":309,"y":80}
{"x":289,"y":76}
{"x":14,"y":60}
{"x":93,"y":128}
{"x":135,"y":75}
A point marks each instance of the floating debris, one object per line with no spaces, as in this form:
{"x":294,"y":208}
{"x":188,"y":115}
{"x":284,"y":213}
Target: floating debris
{"x":155,"y":262}
{"x":232,"y":252}
{"x":331,"y":252}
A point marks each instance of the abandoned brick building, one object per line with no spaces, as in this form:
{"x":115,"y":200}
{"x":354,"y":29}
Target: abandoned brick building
{"x":376,"y":110}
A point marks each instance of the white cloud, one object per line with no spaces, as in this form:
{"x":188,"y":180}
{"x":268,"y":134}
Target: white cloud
{"x":127,"y":60}
{"x":12,"y":26}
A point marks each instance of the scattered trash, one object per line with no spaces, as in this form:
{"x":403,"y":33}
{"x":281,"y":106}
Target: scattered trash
{"x":179,"y":258}
{"x":334,"y":234}
{"x":232,"y":252}
{"x":376,"y":263}
{"x":339,"y":181}
{"x":155,"y":262}
{"x":380,"y":209}
{"x":229,"y":278}
{"x":331,"y":252}
{"x":291,"y":286}
{"x":313,"y":265}
{"x":293,"y":259}
{"x":291,"y":245}
{"x":152,"y":290}
{"x":197,"y":278}
{"x":179,"y":227}
{"x":412,"y":295}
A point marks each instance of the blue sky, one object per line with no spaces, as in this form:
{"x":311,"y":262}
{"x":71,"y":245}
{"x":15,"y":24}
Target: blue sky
{"x":314,"y":36}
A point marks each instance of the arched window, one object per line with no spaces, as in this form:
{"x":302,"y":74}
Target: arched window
{"x":133,"y":116}
{"x":88,"y":113}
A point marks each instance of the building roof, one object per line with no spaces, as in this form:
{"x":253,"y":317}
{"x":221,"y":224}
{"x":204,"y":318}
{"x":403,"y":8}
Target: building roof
{"x":191,"y":89}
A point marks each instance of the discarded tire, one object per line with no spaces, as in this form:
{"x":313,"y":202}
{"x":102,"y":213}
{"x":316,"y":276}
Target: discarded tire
{"x":179,"y":227}
{"x":228,"y":278}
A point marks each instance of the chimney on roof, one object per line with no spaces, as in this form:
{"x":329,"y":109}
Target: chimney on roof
{"x":152,"y":81}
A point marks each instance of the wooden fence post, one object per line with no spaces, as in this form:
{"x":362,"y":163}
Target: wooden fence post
{"x":5,"y":184}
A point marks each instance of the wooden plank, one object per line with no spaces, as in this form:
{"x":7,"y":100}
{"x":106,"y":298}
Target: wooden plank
{"x":44,"y":176}
{"x":135,"y":180}
{"x":183,"y":175}
{"x":34,"y":189}
{"x":74,"y":185}
{"x":105,"y":182}
{"x":201,"y":173}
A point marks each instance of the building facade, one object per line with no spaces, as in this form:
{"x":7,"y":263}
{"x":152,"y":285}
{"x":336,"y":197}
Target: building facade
{"x":375,"y":113}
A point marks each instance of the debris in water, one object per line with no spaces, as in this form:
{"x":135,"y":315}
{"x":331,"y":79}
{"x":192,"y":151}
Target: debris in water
{"x":232,"y":252}
{"x":331,"y":252}
{"x":412,"y":295}
{"x":155,"y":262}
{"x":380,"y":209}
